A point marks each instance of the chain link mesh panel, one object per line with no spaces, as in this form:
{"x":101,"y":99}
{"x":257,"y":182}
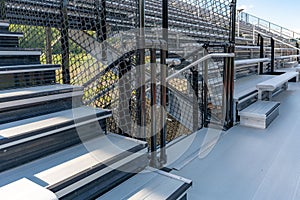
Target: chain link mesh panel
{"x":95,"y":43}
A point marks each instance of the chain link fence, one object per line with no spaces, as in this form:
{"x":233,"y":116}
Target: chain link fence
{"x":95,"y":42}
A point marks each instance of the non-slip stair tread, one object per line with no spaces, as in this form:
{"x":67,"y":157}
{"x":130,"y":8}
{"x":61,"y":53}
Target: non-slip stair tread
{"x":64,"y":165}
{"x":149,"y":184}
{"x":12,"y":94}
{"x":48,"y":122}
{"x":259,"y":109}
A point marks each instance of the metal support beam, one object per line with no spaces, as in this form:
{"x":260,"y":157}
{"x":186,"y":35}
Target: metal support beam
{"x":65,"y":42}
{"x":272,"y":55}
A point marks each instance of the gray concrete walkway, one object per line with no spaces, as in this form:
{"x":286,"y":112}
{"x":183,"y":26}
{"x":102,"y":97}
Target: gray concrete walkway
{"x":249,"y":163}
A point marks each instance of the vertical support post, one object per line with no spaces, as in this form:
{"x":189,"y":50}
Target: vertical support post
{"x":228,"y":76}
{"x":153,"y":138}
{"x":163,"y":76}
{"x":228,"y":101}
{"x":262,"y":54}
{"x":298,"y":52}
{"x":272,"y":55}
{"x":65,"y":42}
{"x":141,"y":91}
{"x":48,"y":45}
{"x":195,"y":85}
{"x":205,"y":91}
{"x":101,"y":26}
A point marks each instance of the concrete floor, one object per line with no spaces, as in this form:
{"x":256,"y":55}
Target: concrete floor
{"x":248,"y":163}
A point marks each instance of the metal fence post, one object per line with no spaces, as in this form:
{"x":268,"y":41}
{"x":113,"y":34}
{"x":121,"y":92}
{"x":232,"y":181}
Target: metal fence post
{"x":298,"y":52}
{"x":65,"y":46}
{"x":228,"y":76}
{"x":272,"y":55}
{"x":205,"y":91}
{"x":153,"y":141}
{"x":141,"y":90}
{"x":261,"y":54}
{"x":164,"y":92}
{"x":195,"y":85}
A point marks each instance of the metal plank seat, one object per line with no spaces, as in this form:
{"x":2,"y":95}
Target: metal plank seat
{"x":278,"y":82}
{"x":151,"y":184}
{"x":260,"y":114}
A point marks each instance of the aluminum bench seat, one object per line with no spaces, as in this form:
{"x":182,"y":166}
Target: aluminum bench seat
{"x":277,"y":82}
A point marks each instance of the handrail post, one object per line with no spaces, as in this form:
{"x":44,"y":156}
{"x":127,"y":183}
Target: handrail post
{"x":272,"y":55}
{"x":65,"y":42}
{"x":205,"y":91}
{"x":261,"y":44}
{"x":298,"y":52}
{"x":228,"y":75}
{"x":195,"y":86}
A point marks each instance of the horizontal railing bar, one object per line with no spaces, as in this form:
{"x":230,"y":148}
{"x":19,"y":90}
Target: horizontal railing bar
{"x":204,"y":58}
{"x":252,"y":61}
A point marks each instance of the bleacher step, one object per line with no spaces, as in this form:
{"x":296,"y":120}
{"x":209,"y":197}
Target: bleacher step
{"x":23,"y":103}
{"x":260,"y":114}
{"x":150,"y":184}
{"x":26,"y":190}
{"x":25,"y":140}
{"x":27,"y":68}
{"x":84,"y":171}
